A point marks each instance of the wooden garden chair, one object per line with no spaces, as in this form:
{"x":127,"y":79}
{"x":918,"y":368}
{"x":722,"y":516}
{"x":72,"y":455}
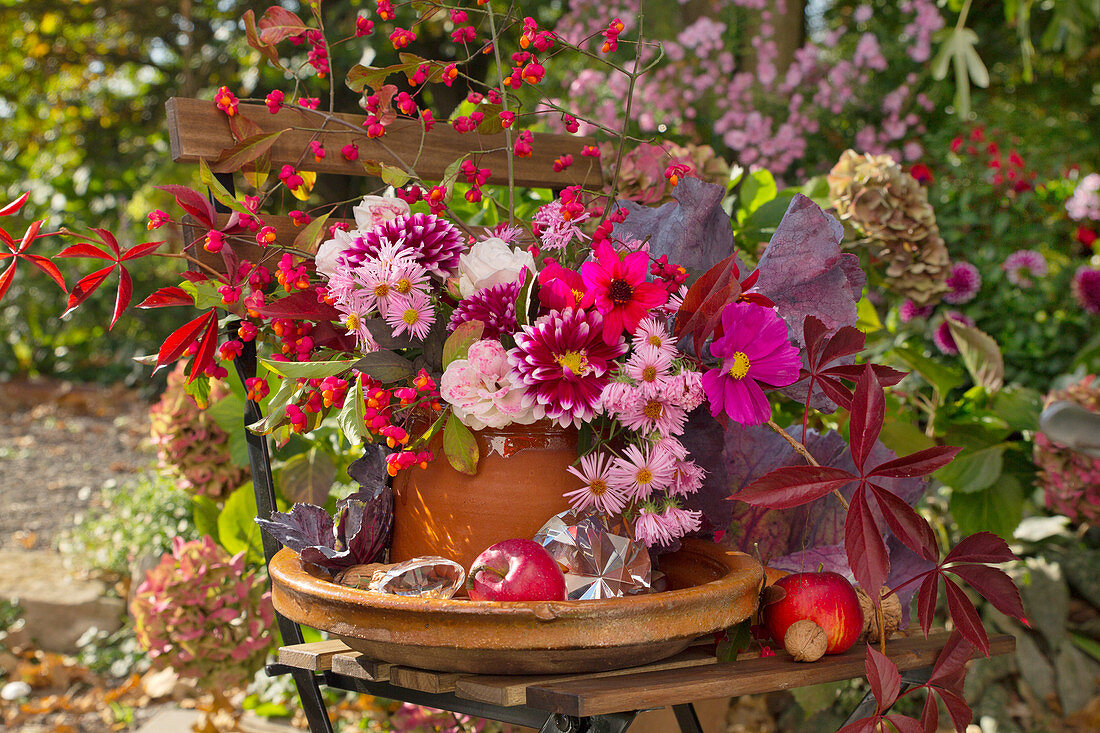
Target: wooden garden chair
{"x":605,"y":701}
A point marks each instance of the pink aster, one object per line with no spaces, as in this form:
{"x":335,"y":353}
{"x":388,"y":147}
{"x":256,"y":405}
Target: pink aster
{"x":556,"y":228}
{"x":688,"y":480}
{"x":564,"y":362}
{"x":964,"y":282}
{"x":680,"y":521}
{"x":1022,"y":265}
{"x":619,"y":288}
{"x":649,"y":367}
{"x":652,"y":333}
{"x":651,"y":411}
{"x":652,"y":528}
{"x":639,"y":474}
{"x":942,"y":337}
{"x":597,"y":490}
{"x":616,"y":396}
{"x":753,"y":349}
{"x":412,"y":314}
{"x":1086,"y":288}
{"x":909,"y":310}
{"x":686,"y":389}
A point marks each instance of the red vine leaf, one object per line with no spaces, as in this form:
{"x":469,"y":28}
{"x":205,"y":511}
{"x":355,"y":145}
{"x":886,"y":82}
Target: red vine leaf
{"x":793,"y":486}
{"x":867,"y":414}
{"x":178,"y":341}
{"x":965,"y":616}
{"x":863,"y":543}
{"x":194,"y":203}
{"x":995,"y":586}
{"x":908,"y":526}
{"x":927,"y":598}
{"x":89,"y":283}
{"x":884,"y":678}
{"x":921,"y":463}
{"x":166,"y":296}
{"x":278,"y":24}
{"x":701,"y":310}
{"x":300,"y":306}
{"x":981,"y":547}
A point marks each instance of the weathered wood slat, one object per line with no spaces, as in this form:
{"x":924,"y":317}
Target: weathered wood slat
{"x":586,"y":696}
{"x":424,"y":680}
{"x":315,"y":656}
{"x":197,"y":129}
{"x":354,"y":664}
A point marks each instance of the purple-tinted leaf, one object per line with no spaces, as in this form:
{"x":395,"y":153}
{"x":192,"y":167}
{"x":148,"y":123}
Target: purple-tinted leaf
{"x":884,"y":678}
{"x":305,"y":525}
{"x":793,"y":486}
{"x":804,"y":272}
{"x":830,"y":558}
{"x":908,"y":526}
{"x":867,"y":414}
{"x":864,"y":544}
{"x":905,"y":565}
{"x":365,"y":523}
{"x":995,"y":586}
{"x":982,"y":547}
{"x":921,"y":463}
{"x":369,"y":470}
{"x":965,"y":616}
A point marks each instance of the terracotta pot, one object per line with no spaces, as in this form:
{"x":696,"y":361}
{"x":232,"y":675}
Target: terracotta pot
{"x":521,"y":477}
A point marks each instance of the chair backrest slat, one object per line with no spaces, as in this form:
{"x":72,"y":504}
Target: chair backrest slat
{"x":199,"y":130}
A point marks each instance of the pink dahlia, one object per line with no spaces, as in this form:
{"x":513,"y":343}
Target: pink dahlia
{"x":754,"y":350}
{"x":562,"y":288}
{"x":964,"y":282}
{"x":619,"y":288}
{"x":909,"y":310}
{"x":1022,"y":265}
{"x":564,"y":362}
{"x":640,"y":474}
{"x":1086,"y":288}
{"x":942,"y":337}
{"x":436,"y":242}
{"x":597,"y":490}
{"x":494,"y":306}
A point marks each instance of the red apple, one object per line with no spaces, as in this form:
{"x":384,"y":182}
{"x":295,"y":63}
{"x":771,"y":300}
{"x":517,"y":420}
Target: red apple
{"x":827,"y":599}
{"x":515,"y":570}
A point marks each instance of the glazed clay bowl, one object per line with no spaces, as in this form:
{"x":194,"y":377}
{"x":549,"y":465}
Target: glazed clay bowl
{"x":710,"y":588}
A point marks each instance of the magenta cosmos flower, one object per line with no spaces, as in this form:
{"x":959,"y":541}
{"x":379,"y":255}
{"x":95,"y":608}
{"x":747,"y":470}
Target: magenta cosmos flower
{"x":619,"y":289}
{"x":753,"y":349}
{"x":563,"y":361}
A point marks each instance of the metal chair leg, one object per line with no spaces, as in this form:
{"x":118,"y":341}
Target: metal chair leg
{"x":687,"y":718}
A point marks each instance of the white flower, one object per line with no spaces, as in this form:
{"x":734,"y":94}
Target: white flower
{"x":491,"y":262}
{"x":331,"y":249}
{"x":482,"y":391}
{"x":373,"y":210}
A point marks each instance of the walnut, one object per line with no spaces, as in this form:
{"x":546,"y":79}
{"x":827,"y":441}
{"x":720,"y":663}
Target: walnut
{"x":805,"y":641}
{"x":359,"y":576}
{"x":891,"y":612}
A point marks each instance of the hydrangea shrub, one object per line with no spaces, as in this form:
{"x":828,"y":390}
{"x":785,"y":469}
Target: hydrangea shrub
{"x":1071,"y":480}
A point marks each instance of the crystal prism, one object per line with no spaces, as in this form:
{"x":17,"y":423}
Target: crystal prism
{"x":600,"y":560}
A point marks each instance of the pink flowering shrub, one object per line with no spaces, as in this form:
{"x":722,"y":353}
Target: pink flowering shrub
{"x":1071,"y":480}
{"x":200,"y":612}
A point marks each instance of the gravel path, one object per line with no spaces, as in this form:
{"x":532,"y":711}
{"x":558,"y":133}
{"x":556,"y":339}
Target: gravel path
{"x":59,"y":444}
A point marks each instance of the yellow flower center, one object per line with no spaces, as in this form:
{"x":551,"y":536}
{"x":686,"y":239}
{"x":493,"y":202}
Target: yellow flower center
{"x":645,"y":476}
{"x":649,"y":374}
{"x":352,"y":321}
{"x":654,"y":340}
{"x":411,"y":316}
{"x":740,"y":366}
{"x":653,"y":410}
{"x":575,"y":362}
{"x":598,"y":487}
{"x":403,"y":286}
{"x":381,"y":290}
{"x":578,"y":296}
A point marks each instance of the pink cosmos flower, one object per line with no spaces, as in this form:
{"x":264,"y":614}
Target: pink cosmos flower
{"x":640,"y":474}
{"x":412,"y":314}
{"x":753,"y":349}
{"x":564,"y":363}
{"x":619,"y":288}
{"x":597,"y":491}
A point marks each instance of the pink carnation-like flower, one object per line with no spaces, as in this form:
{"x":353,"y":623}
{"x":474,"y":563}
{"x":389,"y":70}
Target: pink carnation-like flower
{"x":564,"y":362}
{"x":639,"y":474}
{"x":620,"y":291}
{"x":483,"y":391}
{"x":964,"y":282}
{"x":753,"y":349}
{"x":909,"y":310}
{"x":494,"y":306}
{"x":598,"y":490}
{"x":1086,"y":288}
{"x":942,"y":337}
{"x":1023,"y":265}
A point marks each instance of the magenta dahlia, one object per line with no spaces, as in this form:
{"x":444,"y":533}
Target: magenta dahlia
{"x":436,"y":241}
{"x":619,"y":288}
{"x":564,"y":362}
{"x":1086,"y":288}
{"x":753,"y":349}
{"x":909,"y":310}
{"x":1022,"y":265}
{"x":964,"y":282}
{"x":494,"y":306}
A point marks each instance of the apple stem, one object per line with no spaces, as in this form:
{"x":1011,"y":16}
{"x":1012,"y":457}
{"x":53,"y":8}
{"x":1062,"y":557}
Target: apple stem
{"x":477,"y":569}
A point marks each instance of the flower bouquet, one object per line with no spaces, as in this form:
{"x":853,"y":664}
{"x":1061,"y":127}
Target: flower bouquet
{"x":638,"y":330}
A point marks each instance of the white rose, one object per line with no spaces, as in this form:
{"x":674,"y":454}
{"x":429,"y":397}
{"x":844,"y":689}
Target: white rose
{"x":331,"y":249}
{"x":373,"y":210}
{"x":491,"y":262}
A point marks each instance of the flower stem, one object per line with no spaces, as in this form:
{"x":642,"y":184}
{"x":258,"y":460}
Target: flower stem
{"x":805,"y":453}
{"x":510,"y":152}
{"x":626,"y":121}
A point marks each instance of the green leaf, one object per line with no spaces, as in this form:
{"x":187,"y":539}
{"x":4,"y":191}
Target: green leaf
{"x":944,"y":378}
{"x":199,"y":389}
{"x":974,"y":470}
{"x":391,"y":175}
{"x":997,"y":509}
{"x":205,"y":512}
{"x":350,"y":418}
{"x":360,"y":77}
{"x":1018,"y":406}
{"x":759,"y":187}
{"x":733,"y":641}
{"x":247,"y":150}
{"x":385,"y":366}
{"x":450,"y":174}
{"x":868,"y":320}
{"x":461,"y":339}
{"x":491,"y":125}
{"x":218,"y":190}
{"x":276,"y":406}
{"x":205,"y":293}
{"x":309,"y":369}
{"x":980,"y":354}
{"x":460,"y":446}
{"x":523,"y":302}
{"x":237,"y":532}
{"x":307,"y":477}
{"x":310,"y":237}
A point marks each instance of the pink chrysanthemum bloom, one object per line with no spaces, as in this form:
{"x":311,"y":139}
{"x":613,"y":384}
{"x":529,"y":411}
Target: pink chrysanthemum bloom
{"x":411,"y":314}
{"x":650,"y":526}
{"x":672,"y":446}
{"x":942,"y":337}
{"x":649,"y":367}
{"x":1022,"y":265}
{"x":1086,"y":288}
{"x":355,"y":314}
{"x":651,"y":411}
{"x":435,"y":242}
{"x":964,"y":282}
{"x":616,"y":396}
{"x":620,"y":290}
{"x":597,"y":490}
{"x":639,"y":474}
{"x":753,"y":349}
{"x":653,"y":334}
{"x":508,"y":234}
{"x":494,"y":306}
{"x":909,"y":310}
{"x":554,"y":230}
{"x":565,"y":362}
{"x":685,"y":389}
{"x":689,"y":478}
